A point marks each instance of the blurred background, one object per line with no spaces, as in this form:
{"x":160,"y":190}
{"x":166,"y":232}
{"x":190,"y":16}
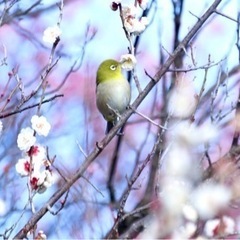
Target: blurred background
{"x":91,"y":33}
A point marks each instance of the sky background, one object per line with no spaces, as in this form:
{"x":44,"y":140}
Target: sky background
{"x":74,"y":119}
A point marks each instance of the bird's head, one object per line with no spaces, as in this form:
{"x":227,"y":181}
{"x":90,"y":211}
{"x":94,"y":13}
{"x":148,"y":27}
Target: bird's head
{"x":108,"y":71}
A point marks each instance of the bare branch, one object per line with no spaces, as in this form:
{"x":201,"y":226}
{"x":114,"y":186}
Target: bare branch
{"x":5,"y":115}
{"x":104,"y":142}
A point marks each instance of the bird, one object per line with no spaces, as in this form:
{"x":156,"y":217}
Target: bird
{"x":113,"y":92}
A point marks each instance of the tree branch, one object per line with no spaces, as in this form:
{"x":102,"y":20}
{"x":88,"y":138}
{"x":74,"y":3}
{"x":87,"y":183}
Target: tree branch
{"x":104,"y":142}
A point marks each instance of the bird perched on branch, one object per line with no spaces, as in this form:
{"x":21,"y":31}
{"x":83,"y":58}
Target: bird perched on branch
{"x":113,"y":92}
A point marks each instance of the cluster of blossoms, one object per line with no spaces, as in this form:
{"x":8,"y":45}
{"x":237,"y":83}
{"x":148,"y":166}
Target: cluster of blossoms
{"x":34,"y":163}
{"x":186,"y":201}
{"x":129,"y":16}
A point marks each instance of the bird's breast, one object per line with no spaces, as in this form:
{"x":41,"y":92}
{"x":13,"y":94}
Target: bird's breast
{"x":113,"y":96}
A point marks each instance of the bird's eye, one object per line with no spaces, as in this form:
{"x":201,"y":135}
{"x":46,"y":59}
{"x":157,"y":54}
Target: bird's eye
{"x":113,"y":67}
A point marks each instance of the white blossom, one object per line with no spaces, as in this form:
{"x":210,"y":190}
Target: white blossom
{"x":143,"y":4}
{"x":190,"y":213}
{"x":173,"y":187}
{"x":211,"y":226}
{"x":185,"y":232}
{"x":41,"y":236}
{"x":40,"y":181}
{"x":152,"y":231}
{"x":38,"y":155}
{"x":129,"y":11}
{"x":188,"y":134}
{"x":26,"y":139}
{"x":131,"y":22}
{"x":135,"y":26}
{"x":34,"y":179}
{"x":128,"y":61}
{"x":229,"y":225}
{"x":219,"y":227}
{"x":144,"y":21}
{"x":210,"y":198}
{"x":51,"y":34}
{"x":23,"y":167}
{"x":178,"y":161}
{"x":45,"y":181}
{"x":182,"y":100}
{"x":200,"y":238}
{"x":40,"y":125}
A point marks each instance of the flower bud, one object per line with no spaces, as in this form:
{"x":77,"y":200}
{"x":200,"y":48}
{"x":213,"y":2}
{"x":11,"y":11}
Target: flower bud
{"x":114,"y":5}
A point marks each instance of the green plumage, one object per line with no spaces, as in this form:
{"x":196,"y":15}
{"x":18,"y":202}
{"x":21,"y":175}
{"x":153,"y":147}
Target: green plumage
{"x":113,"y":91}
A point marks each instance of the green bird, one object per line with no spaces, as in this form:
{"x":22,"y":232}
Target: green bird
{"x":113,"y":92}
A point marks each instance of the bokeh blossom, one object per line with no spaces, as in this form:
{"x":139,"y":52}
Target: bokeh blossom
{"x":219,"y":227}
{"x":210,"y":198}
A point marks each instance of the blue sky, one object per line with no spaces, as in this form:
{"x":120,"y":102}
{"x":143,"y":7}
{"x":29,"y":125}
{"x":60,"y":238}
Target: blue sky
{"x":75,"y":119}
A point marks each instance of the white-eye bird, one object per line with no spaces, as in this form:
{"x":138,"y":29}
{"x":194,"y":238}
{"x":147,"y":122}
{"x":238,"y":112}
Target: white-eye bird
{"x":113,"y":91}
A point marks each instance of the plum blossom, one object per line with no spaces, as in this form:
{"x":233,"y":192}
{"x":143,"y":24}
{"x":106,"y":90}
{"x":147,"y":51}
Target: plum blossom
{"x":41,"y":236}
{"x":128,"y":61}
{"x":143,"y":4}
{"x":135,"y":26}
{"x":37,"y":152}
{"x":219,"y":227}
{"x":174,"y":187}
{"x":190,"y":213}
{"x":186,"y":231}
{"x":40,"y":125}
{"x":144,"y":21}
{"x":183,"y":99}
{"x":51,"y":34}
{"x":209,"y":198}
{"x":129,"y":11}
{"x":45,"y":180}
{"x":129,"y":16}
{"x":188,"y":134}
{"x":40,"y":181}
{"x":178,"y":161}
{"x":23,"y":167}
{"x":34,"y":181}
{"x":26,"y":139}
{"x":34,"y":162}
{"x":131,"y":22}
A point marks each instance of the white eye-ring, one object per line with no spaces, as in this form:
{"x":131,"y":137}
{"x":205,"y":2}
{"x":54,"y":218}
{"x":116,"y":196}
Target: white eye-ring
{"x":113,"y":67}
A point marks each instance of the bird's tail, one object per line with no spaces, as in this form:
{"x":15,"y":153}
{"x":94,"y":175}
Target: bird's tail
{"x":109,"y":127}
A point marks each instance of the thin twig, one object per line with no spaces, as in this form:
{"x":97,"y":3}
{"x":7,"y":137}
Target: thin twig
{"x":203,"y":67}
{"x":114,"y":232}
{"x":5,"y":115}
{"x":226,"y":16}
{"x":147,"y":118}
{"x":105,"y":141}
